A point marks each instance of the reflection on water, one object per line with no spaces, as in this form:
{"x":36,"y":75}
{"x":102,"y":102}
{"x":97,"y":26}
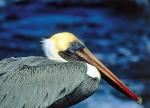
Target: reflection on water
{"x":119,"y":39}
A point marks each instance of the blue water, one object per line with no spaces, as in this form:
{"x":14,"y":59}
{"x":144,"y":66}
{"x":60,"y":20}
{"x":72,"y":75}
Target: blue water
{"x":119,"y":40}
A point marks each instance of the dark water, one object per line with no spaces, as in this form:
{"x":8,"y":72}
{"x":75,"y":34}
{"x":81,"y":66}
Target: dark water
{"x":118,"y":35}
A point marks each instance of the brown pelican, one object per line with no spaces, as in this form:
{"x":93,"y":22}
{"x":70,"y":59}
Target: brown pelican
{"x":70,"y":74}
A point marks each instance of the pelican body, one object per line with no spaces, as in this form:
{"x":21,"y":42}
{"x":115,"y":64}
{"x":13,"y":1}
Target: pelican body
{"x":68,"y":75}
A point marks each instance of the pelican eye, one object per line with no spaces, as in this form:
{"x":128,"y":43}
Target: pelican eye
{"x":70,"y":53}
{"x":75,"y":46}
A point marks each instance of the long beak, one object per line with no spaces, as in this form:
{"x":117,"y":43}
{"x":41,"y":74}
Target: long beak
{"x":87,"y":56}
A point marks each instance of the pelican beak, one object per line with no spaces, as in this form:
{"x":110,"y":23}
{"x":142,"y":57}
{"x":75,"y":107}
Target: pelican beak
{"x":87,"y":56}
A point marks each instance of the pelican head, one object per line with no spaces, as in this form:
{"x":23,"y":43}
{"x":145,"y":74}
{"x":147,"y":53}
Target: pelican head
{"x":67,"y":47}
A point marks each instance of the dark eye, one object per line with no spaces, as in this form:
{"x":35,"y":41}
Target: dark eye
{"x":70,"y":53}
{"x":75,"y":46}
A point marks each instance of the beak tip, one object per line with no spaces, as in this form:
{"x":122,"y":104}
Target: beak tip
{"x":139,"y":100}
